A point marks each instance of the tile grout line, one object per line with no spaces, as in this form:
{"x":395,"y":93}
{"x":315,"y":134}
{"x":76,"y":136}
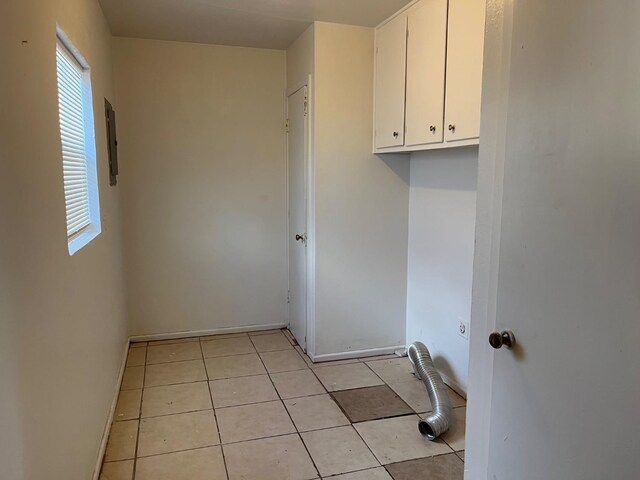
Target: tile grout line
{"x":423,"y":458}
{"x":443,"y":439}
{"x":376,"y":375}
{"x":262,"y":401}
{"x":306,"y":367}
{"x":293,"y":433}
{"x":215,"y":416}
{"x":178,"y":413}
{"x":182,"y":450}
{"x":353,"y":471}
{"x":236,"y":442}
{"x":367,"y":445}
{"x":201,"y":360}
{"x":319,"y":381}
{"x":135,"y":456}
{"x":290,"y":417}
{"x":175,"y":361}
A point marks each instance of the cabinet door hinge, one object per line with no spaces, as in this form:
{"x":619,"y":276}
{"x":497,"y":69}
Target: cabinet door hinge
{"x":286,"y":125}
{"x":288,"y":296}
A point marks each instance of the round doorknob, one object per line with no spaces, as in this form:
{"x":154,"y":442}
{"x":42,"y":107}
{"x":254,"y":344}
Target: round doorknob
{"x":395,"y":134}
{"x":498,"y":339}
{"x":299,"y":238}
{"x":432,"y":129}
{"x":452,"y":128}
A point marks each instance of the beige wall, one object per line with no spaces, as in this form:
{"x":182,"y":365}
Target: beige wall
{"x":442,"y":215}
{"x":201,"y":135}
{"x":62,"y":320}
{"x":362,"y":203}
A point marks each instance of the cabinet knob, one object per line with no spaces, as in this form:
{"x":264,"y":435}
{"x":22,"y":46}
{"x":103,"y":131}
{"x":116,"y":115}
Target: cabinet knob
{"x":452,"y":128}
{"x":432,"y":129}
{"x":395,"y":134}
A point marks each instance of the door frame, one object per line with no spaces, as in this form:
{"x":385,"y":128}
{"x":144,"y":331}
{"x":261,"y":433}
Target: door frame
{"x":493,"y":126}
{"x":310,"y":209}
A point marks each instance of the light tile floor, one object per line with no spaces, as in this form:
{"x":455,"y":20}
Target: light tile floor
{"x":252,"y":406}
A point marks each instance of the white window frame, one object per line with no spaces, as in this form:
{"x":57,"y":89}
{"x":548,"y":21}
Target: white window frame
{"x":79,"y":239}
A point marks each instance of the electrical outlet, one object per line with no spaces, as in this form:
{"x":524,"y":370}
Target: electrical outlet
{"x":463,"y":329}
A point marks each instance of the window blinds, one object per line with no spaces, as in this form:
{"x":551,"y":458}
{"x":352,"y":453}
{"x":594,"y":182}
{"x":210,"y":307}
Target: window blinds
{"x":72,"y":108}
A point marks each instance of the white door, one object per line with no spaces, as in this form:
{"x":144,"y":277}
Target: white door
{"x":426,"y":53}
{"x":391,"y":57}
{"x":464,"y":69}
{"x":560,"y":175}
{"x":297,"y":160}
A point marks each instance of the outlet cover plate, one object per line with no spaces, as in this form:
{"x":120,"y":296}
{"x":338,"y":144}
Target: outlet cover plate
{"x":463,"y":329}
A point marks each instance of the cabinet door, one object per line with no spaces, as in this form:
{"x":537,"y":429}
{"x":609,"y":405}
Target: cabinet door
{"x":426,"y":57}
{"x":391,"y":56}
{"x":464,"y":69}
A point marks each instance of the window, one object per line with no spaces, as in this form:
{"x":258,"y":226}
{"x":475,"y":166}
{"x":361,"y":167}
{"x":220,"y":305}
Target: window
{"x":78,"y":146}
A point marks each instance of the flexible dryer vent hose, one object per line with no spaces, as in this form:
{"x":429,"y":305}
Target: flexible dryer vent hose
{"x":437,"y":422}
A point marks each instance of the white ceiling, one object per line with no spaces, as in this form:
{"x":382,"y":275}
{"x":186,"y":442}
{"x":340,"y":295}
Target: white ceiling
{"x":250,"y":23}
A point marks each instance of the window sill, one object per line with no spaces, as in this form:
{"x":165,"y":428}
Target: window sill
{"x":83,"y":238}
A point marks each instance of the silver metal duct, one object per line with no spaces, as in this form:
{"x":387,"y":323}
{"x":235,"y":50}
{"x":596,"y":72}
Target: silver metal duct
{"x":437,"y":422}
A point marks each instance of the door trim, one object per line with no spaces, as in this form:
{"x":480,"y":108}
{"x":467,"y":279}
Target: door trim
{"x":493,"y":125}
{"x":310,"y":216}
{"x":311,"y":222}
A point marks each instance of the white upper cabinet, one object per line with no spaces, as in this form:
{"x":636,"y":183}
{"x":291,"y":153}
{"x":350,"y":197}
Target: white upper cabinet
{"x":391,"y":56}
{"x":429,"y":76}
{"x":426,"y":56}
{"x":464,"y":69}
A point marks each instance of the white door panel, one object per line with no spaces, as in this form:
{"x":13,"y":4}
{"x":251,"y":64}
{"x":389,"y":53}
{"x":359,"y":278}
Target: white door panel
{"x":464,"y":69}
{"x":563,"y":404}
{"x":426,"y":53}
{"x":297,"y":201}
{"x":391,"y":56}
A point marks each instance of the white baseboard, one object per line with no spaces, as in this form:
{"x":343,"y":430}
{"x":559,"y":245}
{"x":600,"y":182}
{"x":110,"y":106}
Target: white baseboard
{"x":112,"y":410}
{"x":371,"y":352}
{"x":204,"y":333}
